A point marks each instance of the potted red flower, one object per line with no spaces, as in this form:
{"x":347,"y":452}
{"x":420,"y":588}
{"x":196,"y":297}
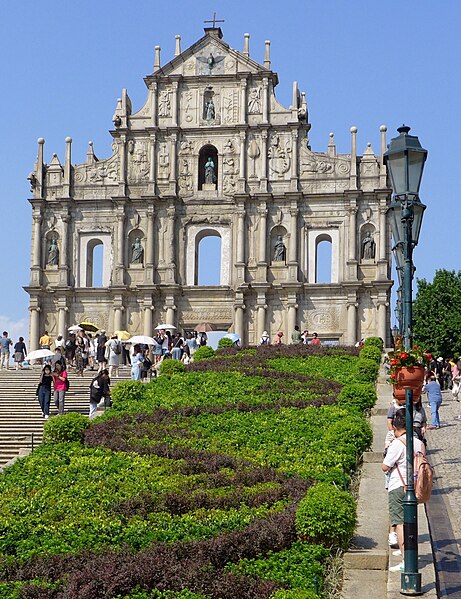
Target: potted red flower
{"x":407,"y":370}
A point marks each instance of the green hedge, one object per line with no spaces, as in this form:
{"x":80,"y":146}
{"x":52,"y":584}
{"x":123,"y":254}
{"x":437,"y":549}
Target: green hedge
{"x":172,"y":367}
{"x":67,"y":428}
{"x":128,"y":391}
{"x":374,"y":342}
{"x":371,"y":352}
{"x":358,"y":395}
{"x":204,"y":353}
{"x":366,"y":370}
{"x":326,"y":515}
{"x":225,"y":342}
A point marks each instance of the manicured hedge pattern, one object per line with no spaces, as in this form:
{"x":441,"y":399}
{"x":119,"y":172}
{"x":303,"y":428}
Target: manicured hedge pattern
{"x":189,"y":487}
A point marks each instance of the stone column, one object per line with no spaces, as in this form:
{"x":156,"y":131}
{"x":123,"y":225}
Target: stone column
{"x":382,"y":233}
{"x":67,"y":168}
{"x":122,"y":173}
{"x":382,"y":319}
{"x":36,"y":248}
{"x":293,"y":247}
{"x":170,"y":309}
{"x":238,"y":326}
{"x":292,"y":307}
{"x":34,"y":328}
{"x":62,"y":328}
{"x":64,"y":252}
{"x":263,"y":182}
{"x":120,"y":249}
{"x":294,"y":161}
{"x":261,"y":321}
{"x":353,"y":232}
{"x":152,"y":165}
{"x":262,"y":255}
{"x":243,"y":101}
{"x":173,"y":142}
{"x":148,"y":309}
{"x":149,"y":269}
{"x":352,"y":322}
{"x":265,"y":118}
{"x":242,"y":174}
{"x":353,"y":174}
{"x":117,"y":318}
{"x":154,"y":104}
{"x":241,"y":236}
{"x":174,"y":104}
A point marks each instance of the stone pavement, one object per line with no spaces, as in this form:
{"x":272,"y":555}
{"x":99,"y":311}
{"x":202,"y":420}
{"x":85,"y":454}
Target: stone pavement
{"x":366,"y":564}
{"x":444,"y":509}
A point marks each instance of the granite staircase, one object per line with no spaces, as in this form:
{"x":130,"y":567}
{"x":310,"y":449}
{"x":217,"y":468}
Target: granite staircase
{"x":21,"y":420}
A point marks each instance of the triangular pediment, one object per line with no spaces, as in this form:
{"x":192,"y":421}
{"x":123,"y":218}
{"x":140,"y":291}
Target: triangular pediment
{"x":209,"y":56}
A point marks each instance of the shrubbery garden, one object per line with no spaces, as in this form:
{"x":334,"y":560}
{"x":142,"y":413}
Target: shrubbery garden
{"x":227,"y":479}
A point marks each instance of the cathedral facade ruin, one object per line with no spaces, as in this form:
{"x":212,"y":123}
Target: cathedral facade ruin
{"x":212,"y":153}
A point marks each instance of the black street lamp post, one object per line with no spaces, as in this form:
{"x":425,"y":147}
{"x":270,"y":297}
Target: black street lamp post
{"x":405,"y":158}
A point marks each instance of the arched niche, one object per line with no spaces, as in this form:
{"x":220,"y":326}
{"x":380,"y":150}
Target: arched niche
{"x":276,"y":233}
{"x":136,"y":254}
{"x":208,"y":258}
{"x":195,"y":234}
{"x":316,"y":237}
{"x":323,"y":262}
{"x":367,"y":242}
{"x":94,"y":245}
{"x":207,"y":152}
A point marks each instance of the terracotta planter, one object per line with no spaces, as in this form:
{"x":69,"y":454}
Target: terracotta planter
{"x":411,"y":377}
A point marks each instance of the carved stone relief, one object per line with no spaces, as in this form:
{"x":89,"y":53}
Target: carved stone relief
{"x":230,"y":168}
{"x":254,"y":101}
{"x":229,"y":106}
{"x":210,"y":63}
{"x":189,"y":106}
{"x":164,"y":103}
{"x":311,"y":162}
{"x":185,"y":176}
{"x":164,"y":162}
{"x":103,"y":172}
{"x":253,"y":152}
{"x":279,"y":156}
{"x":138,"y":161}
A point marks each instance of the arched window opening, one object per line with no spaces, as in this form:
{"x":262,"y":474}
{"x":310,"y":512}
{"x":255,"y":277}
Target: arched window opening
{"x":208,"y":258}
{"x":207,"y":166}
{"x":94,"y":272}
{"x":323,"y":260}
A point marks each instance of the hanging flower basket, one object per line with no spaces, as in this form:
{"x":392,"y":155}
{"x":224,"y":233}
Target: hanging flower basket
{"x":408,"y":377}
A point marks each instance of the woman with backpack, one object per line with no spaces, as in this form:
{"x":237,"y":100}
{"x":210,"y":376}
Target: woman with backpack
{"x":99,"y":389}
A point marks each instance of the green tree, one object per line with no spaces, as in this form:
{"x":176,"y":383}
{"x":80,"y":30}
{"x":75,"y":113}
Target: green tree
{"x":437,"y":313}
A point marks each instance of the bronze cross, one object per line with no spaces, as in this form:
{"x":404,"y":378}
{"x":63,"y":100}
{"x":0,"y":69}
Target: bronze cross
{"x":214,"y":21}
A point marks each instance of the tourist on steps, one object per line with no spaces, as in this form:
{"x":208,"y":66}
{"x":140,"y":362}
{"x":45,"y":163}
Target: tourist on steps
{"x":43,"y":392}
{"x":60,"y":387}
{"x":20,"y":352}
{"x":99,"y":388}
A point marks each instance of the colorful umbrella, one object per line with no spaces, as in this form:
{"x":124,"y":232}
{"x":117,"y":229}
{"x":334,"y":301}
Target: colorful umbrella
{"x":89,"y":326}
{"x":122,"y":335}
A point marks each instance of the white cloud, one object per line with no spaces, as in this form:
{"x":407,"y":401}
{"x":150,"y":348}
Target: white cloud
{"x":15,"y":328}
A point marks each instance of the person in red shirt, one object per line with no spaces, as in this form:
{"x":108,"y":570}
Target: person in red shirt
{"x":60,"y":386}
{"x":315,"y":340}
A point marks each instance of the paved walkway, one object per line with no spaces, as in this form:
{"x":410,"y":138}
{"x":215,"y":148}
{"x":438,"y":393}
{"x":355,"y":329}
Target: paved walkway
{"x":444,"y":509}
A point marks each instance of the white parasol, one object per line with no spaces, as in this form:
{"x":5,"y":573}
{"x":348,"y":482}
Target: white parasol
{"x":142,"y":340}
{"x":165,"y":327}
{"x":39,"y":353}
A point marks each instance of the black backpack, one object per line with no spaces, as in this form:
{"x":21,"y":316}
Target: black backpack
{"x":117,"y":348}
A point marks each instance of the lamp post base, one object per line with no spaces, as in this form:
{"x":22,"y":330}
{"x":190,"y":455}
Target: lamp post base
{"x":410,"y":584}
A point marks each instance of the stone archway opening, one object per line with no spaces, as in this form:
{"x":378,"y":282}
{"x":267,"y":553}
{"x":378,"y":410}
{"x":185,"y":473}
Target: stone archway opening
{"x":208,"y":258}
{"x":323,"y":259}
{"x":95,"y":263}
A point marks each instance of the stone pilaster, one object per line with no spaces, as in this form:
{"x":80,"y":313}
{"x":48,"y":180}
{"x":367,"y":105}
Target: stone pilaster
{"x":243,"y":101}
{"x":294,"y":161}
{"x":34,"y":327}
{"x":263,"y":181}
{"x":173,"y":152}
{"x":293,"y":245}
{"x":239,"y":320}
{"x":64,"y":252}
{"x":262,"y":245}
{"x":382,"y":320}
{"x":149,"y":267}
{"x":352,"y":306}
{"x":170,"y":309}
{"x":122,"y":173}
{"x":265,"y":94}
{"x":152,"y":162}
{"x":292,"y":314}
{"x":148,"y":312}
{"x":119,"y":274}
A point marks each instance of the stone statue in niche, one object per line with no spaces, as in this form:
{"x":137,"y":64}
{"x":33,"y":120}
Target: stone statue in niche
{"x":210,"y":176}
{"x":137,"y":252}
{"x":280,"y":250}
{"x":53,"y":253}
{"x":210,"y":112}
{"x":368,"y":247}
{"x":254,"y":101}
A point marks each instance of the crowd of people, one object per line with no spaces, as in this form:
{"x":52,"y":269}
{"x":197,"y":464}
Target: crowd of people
{"x":441,"y":375}
{"x":296,"y":338}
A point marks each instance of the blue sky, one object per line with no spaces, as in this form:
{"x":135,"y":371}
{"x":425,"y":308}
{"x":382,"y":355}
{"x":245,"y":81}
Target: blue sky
{"x":361,"y":62}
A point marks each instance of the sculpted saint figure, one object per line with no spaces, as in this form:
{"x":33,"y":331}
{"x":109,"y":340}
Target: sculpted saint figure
{"x":137,"y":252}
{"x":53,"y":253}
{"x":209,"y":110}
{"x":210,"y":176}
{"x":280,"y":251}
{"x":368,"y":247}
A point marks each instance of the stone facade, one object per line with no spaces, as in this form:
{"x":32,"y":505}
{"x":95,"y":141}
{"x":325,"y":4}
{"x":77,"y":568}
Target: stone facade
{"x":265,"y":193}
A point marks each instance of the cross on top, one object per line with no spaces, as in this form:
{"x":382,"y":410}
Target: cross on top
{"x":214,"y":21}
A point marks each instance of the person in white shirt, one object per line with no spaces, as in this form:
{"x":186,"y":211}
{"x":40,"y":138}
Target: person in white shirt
{"x":395,"y":462}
